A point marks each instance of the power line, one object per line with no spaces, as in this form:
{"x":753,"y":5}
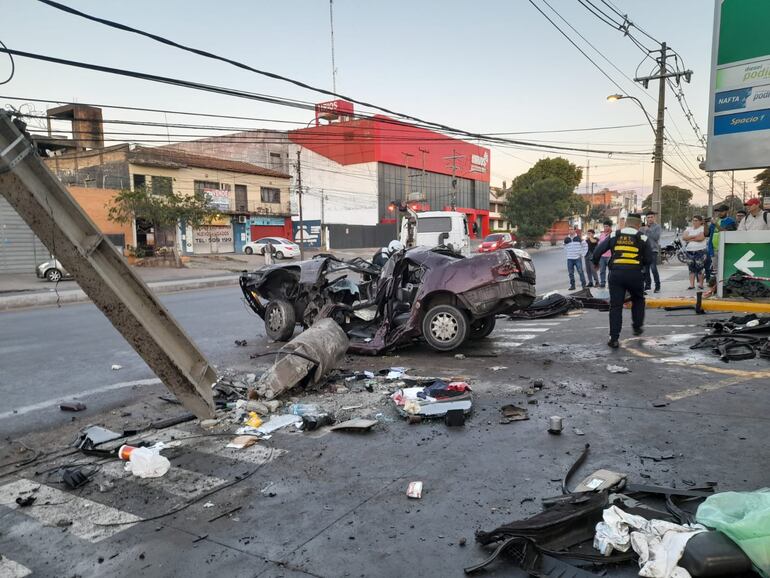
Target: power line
{"x":591,"y":60}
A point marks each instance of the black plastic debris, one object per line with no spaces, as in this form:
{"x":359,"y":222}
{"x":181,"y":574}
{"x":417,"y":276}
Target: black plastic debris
{"x":72,"y":406}
{"x":26,"y":501}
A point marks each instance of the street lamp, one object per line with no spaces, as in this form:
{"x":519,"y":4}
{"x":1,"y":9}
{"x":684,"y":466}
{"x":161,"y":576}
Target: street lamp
{"x":657,"y":155}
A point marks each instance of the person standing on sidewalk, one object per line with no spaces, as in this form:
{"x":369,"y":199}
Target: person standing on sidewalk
{"x":652,"y":230}
{"x":630,"y":254}
{"x":604,"y":258}
{"x":575,"y":248}
{"x":697,"y":244}
{"x":591,"y":272}
{"x":720,"y":221}
{"x":757,"y":219}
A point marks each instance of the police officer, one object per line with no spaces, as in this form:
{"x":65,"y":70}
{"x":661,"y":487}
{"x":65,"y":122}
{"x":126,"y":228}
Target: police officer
{"x":631,"y":253}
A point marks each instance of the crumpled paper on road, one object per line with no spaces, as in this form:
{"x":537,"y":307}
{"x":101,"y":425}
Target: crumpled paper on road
{"x":659,"y":544}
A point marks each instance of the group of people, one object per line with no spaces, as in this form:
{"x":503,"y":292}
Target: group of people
{"x":702,"y":237}
{"x":582,"y":251}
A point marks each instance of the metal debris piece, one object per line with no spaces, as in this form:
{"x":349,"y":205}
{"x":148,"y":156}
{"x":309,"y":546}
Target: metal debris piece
{"x":359,"y":425}
{"x":72,"y":406}
{"x":311,"y":355}
{"x":513,"y":413}
{"x":414,"y":490}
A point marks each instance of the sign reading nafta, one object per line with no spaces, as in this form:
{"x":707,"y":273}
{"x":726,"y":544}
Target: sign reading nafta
{"x":739,"y":119}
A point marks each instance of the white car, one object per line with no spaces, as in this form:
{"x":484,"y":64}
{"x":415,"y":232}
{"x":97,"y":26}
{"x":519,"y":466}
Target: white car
{"x":282,"y":248}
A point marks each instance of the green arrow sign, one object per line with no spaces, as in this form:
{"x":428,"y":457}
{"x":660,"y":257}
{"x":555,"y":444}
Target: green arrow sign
{"x":750,"y":258}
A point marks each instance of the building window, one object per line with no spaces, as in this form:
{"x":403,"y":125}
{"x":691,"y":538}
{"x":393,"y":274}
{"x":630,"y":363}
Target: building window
{"x":200,"y":186}
{"x":140,"y":181}
{"x":270,"y":195}
{"x":241,"y":198}
{"x":162,"y":185}
{"x":275,"y":161}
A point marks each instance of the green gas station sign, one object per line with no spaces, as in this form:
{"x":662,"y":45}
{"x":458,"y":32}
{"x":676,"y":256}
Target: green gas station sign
{"x":744,"y":251}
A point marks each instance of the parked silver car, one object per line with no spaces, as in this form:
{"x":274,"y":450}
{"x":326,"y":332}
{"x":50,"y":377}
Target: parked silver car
{"x":52,"y":270}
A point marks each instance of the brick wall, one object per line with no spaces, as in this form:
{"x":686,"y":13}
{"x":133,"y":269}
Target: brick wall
{"x":96,"y":202}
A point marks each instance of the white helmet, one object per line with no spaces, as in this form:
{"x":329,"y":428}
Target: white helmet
{"x":394,"y":246}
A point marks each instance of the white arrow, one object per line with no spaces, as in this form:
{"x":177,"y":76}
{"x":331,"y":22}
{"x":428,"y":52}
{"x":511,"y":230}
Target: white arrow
{"x":745,"y":263}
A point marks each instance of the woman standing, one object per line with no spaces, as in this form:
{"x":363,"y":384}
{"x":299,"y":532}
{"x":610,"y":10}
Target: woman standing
{"x":696,"y":251}
{"x":592,"y":273}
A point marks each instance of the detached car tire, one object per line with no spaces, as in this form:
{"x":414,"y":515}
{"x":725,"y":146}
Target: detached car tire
{"x":482,"y":327}
{"x":445,"y":327}
{"x":280,"y":320}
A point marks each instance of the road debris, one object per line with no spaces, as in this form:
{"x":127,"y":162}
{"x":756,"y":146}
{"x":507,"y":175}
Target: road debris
{"x":434,"y":400}
{"x":116,"y":367}
{"x":242,"y":442}
{"x":414,"y":490}
{"x":513,"y":413}
{"x":617,"y":369}
{"x":555,"y":425}
{"x":26,"y":501}
{"x":353,"y":425}
{"x":454,"y":418}
{"x":72,"y":406}
{"x":145,"y":462}
{"x":241,"y":343}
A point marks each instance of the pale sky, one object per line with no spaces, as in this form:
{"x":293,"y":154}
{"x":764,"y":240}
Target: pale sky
{"x":495,"y":66}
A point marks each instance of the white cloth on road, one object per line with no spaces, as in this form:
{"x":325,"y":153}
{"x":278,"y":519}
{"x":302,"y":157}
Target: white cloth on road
{"x":659,"y":544}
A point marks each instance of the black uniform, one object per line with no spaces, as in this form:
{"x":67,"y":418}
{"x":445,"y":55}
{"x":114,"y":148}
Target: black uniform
{"x":631,"y":253}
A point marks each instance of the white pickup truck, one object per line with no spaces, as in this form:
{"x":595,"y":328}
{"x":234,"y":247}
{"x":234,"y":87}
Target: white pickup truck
{"x":433,"y":228}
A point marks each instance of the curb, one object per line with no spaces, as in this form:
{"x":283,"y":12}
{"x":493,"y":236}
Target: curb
{"x":39,"y":299}
{"x":712,"y":305}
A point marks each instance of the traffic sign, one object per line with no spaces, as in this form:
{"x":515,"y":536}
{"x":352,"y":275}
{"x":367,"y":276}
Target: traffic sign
{"x":744,"y":251}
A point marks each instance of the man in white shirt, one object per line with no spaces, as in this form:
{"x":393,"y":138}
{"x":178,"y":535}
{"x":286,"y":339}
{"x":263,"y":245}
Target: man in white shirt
{"x":757,"y":219}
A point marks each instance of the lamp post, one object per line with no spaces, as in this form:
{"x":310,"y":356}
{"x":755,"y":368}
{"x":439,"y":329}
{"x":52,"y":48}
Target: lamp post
{"x":657,"y":178}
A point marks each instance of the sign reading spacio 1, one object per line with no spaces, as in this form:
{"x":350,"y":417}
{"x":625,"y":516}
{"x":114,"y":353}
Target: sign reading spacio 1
{"x":739,"y":108}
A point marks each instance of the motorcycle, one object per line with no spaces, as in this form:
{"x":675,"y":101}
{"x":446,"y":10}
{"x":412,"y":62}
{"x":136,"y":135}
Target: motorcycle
{"x":675,"y":248}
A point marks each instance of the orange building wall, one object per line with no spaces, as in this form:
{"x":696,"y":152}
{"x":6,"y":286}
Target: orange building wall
{"x":96,"y":203}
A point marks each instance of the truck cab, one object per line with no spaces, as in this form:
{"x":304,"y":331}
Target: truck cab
{"x":434,"y":228}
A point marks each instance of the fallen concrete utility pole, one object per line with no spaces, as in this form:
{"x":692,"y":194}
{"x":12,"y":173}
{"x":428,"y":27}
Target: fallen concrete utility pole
{"x":57,"y":219}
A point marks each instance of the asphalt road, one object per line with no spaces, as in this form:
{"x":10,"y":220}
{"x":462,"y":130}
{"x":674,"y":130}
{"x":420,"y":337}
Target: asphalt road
{"x":51,"y":354}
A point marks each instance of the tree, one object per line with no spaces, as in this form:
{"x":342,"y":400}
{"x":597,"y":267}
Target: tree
{"x":597,"y":213}
{"x":674,"y":205}
{"x":763,"y":180}
{"x":533,"y":209}
{"x":558,"y":167}
{"x":544,"y":194}
{"x":160,"y":210}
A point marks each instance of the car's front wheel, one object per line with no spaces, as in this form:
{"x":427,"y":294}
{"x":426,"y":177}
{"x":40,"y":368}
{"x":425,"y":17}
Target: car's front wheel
{"x":482,"y":327}
{"x":53,"y":275}
{"x":280,"y":320}
{"x":445,"y":327}
{"x":248,"y":250}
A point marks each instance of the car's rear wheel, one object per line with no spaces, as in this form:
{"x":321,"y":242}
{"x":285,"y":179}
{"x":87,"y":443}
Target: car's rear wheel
{"x":482,"y":327}
{"x":445,"y":327}
{"x":248,"y":250}
{"x":278,"y":255}
{"x":53,"y":275}
{"x":280,"y":320}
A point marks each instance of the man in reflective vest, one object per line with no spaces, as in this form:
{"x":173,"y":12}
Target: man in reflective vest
{"x":630,"y":254}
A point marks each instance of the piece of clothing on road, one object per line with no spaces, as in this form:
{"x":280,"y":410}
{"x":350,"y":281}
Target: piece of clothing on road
{"x":630,"y":254}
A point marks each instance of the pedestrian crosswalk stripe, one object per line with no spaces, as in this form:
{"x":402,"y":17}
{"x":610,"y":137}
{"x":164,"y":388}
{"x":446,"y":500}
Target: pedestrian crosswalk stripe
{"x":525,"y":329}
{"x":177,"y":481}
{"x":52,"y":505}
{"x":537,"y":324}
{"x":523,"y":335}
{"x":11,"y":569}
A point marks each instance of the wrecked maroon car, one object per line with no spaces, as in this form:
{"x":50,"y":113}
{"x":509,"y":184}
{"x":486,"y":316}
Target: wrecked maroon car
{"x":439,"y":296}
{"x":285,"y":296}
{"x":433,"y":294}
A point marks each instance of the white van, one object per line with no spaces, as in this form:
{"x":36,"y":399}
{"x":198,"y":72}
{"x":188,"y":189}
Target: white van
{"x":433,"y":228}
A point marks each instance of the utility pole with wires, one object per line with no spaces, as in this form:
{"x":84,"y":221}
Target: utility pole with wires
{"x":323,"y":220}
{"x":744,"y":191}
{"x":299,"y":203}
{"x":407,"y":156}
{"x":662,"y":76}
{"x":454,"y":167}
{"x":423,"y":152}
{"x":331,"y":28}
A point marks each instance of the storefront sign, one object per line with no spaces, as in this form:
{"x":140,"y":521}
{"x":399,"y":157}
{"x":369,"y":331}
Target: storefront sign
{"x":479,"y":163}
{"x":739,"y":119}
{"x":213,"y":239}
{"x":218,"y":198}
